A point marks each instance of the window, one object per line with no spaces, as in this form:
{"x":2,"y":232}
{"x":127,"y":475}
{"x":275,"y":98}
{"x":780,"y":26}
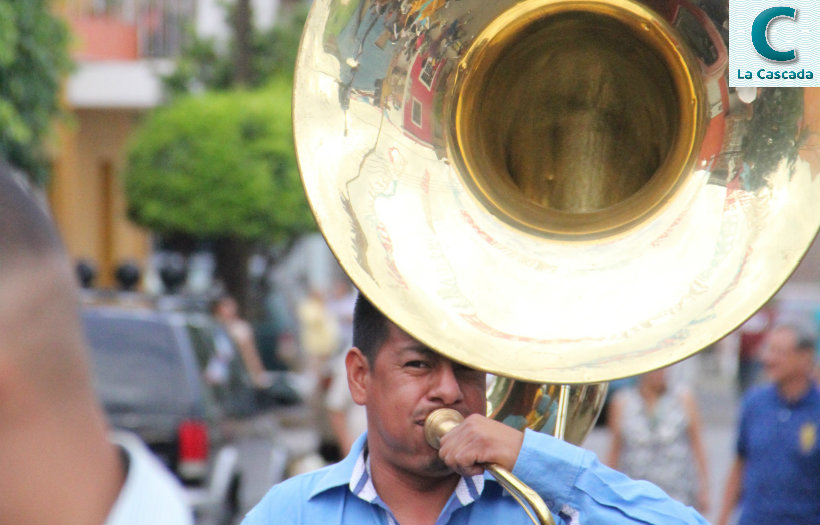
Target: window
{"x":137,"y":364}
{"x":696,"y":36}
{"x":427,"y":73}
{"x":416,"y":113}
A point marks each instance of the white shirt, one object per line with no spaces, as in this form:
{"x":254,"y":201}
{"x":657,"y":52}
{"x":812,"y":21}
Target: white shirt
{"x":150,"y":494}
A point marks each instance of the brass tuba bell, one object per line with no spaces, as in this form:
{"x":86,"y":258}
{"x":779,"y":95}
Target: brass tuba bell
{"x":554,"y":191}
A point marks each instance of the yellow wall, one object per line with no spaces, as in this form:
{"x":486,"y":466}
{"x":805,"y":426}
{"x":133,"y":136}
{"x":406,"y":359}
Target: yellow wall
{"x":86,"y":192}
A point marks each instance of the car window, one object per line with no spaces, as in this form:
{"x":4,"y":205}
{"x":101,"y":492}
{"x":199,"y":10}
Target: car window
{"x":222,"y":367}
{"x":137,"y":365}
{"x":203,"y":344}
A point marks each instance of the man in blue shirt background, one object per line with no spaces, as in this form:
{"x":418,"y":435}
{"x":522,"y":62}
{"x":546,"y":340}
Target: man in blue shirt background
{"x":776,"y":474}
{"x":393,"y":476}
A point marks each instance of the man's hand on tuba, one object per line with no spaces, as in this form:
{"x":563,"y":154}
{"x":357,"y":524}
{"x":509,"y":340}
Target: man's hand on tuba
{"x":479,"y":441}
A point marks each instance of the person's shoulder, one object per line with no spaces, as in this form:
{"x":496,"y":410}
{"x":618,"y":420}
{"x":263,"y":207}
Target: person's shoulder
{"x":684,"y":395}
{"x":285,"y":502}
{"x":758,"y":395}
{"x":625,"y":394}
{"x":814,"y":394}
{"x":240,"y":328}
{"x":303,"y":483}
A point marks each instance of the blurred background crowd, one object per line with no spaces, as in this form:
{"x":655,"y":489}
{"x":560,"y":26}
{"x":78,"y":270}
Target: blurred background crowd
{"x":676,"y":426}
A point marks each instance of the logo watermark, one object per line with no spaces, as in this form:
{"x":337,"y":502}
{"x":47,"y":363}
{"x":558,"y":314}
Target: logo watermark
{"x":774,"y":43}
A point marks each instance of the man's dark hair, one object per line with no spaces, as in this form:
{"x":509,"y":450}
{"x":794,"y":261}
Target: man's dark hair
{"x":805,"y":338}
{"x":25,"y":227}
{"x":369,"y":328}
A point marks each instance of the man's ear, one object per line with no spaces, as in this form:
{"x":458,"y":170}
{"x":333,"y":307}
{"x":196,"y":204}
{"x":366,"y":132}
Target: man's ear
{"x":358,"y":372}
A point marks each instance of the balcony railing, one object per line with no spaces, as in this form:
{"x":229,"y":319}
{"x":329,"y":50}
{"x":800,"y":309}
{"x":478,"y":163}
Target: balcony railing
{"x":107,"y":28}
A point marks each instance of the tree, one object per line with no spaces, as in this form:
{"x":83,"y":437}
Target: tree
{"x":251,"y":59}
{"x":219,"y":167}
{"x":249,"y":211}
{"x":775,"y":133}
{"x":33,"y":62}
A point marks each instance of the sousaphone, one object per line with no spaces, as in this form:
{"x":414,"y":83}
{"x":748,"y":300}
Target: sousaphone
{"x":554,"y":191}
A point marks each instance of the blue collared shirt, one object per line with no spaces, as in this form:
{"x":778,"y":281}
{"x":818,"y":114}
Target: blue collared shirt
{"x":778,"y":441}
{"x":575,"y":486}
{"x":467,"y":490}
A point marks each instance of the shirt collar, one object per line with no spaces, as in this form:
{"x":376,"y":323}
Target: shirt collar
{"x":354,"y":471}
{"x":809,"y":395}
{"x":340,"y":474}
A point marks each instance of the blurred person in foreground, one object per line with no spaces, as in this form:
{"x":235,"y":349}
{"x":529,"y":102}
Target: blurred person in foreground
{"x":392,"y":475}
{"x":58,"y":463}
{"x":656,"y":436}
{"x":775,"y":478}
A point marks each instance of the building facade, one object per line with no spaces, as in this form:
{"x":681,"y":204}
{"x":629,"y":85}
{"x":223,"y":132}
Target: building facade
{"x":121,"y":49}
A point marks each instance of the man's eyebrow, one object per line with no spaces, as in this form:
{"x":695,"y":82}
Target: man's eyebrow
{"x":420,"y":348}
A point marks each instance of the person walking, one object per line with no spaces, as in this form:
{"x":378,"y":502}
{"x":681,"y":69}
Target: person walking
{"x":775,"y":478}
{"x":656,"y":436}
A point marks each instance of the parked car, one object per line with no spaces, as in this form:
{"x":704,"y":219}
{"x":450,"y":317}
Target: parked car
{"x":155,"y":374}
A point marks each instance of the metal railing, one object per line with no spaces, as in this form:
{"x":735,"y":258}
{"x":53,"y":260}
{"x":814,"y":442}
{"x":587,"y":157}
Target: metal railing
{"x":160,"y":24}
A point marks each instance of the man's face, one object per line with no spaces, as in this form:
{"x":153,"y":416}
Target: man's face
{"x":781,"y":358}
{"x":406,"y":383}
{"x":655,"y":380}
{"x":227,"y":308}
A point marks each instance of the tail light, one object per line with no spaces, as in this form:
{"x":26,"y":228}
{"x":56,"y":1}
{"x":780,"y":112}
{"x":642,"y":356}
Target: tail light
{"x":193,"y":450}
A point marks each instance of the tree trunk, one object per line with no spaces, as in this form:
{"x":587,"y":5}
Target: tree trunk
{"x":232,"y":269}
{"x":242,"y":58}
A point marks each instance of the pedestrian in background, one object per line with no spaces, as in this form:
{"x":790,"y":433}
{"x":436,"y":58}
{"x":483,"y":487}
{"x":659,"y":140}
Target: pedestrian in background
{"x":775,"y":478}
{"x":347,"y":419}
{"x":58,"y":460}
{"x":318,"y":331}
{"x":226,"y":311}
{"x":656,"y":436}
{"x":751,"y":336}
{"x":340,"y":305}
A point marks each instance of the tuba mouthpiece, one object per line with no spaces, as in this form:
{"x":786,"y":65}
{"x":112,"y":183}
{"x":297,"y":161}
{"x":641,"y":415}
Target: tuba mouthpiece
{"x":438,"y":423}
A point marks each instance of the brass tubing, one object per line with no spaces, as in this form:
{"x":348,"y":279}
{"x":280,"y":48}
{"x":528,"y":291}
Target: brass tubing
{"x":444,"y":420}
{"x":563,"y":411}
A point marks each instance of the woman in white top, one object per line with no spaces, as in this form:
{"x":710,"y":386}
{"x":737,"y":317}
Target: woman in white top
{"x":656,"y":436}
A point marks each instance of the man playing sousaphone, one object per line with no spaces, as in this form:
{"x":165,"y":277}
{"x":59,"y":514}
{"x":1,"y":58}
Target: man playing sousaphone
{"x":393,"y":476}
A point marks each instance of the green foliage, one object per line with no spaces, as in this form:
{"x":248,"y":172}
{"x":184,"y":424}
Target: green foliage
{"x":274,"y":51}
{"x":33,"y":62}
{"x":219,"y":165}
{"x":203,"y":66}
{"x":774,"y":132}
{"x":199,"y":67}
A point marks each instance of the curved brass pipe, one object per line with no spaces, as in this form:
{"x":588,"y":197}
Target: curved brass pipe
{"x":552,"y":191}
{"x":444,"y":420}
